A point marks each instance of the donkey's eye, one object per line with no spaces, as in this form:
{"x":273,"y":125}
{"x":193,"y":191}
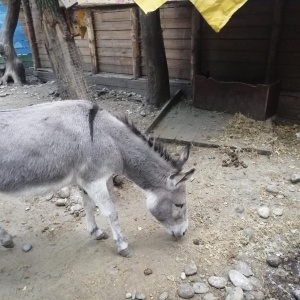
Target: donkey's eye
{"x":179,"y":205}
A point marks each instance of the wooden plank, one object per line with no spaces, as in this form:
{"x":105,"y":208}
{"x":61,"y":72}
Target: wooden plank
{"x":179,"y":73}
{"x":238,"y":33}
{"x":270,"y":75}
{"x":175,"y":23}
{"x":291,"y":32}
{"x":237,"y":45}
{"x":288,"y":70}
{"x":116,"y":69}
{"x":117,"y":60}
{"x":177,"y":44}
{"x":175,"y":12}
{"x":195,"y":43}
{"x":290,"y":84}
{"x":113,"y":35}
{"x":255,"y":7}
{"x":115,"y":16}
{"x":184,"y":34}
{"x":292,"y":58}
{"x":125,"y":25}
{"x":247,"y":20}
{"x":183,"y":64}
{"x":175,"y":54}
{"x":114,"y":52}
{"x":85,"y":51}
{"x":92,"y":43}
{"x":114,"y":44}
{"x":136,"y":51}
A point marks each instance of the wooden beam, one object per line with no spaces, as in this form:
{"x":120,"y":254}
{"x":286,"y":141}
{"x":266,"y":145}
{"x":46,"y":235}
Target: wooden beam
{"x":195,"y":43}
{"x":31,"y":34}
{"x":92,"y":41}
{"x":136,"y":51}
{"x":270,"y":75}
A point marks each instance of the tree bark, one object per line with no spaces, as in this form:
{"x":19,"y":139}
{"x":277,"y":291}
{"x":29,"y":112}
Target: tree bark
{"x":14,"y":69}
{"x":158,"y":75}
{"x":64,"y":55}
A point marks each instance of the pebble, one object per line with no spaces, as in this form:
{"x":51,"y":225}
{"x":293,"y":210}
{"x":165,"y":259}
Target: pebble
{"x":48,"y":197}
{"x":248,"y":233}
{"x":239,"y":209}
{"x":272,"y":188}
{"x":264,"y":212}
{"x":190,"y":269}
{"x":128,"y":295}
{"x":76,"y":207}
{"x":256,"y":283}
{"x":64,"y":192}
{"x":296,"y":294}
{"x":60,"y":202}
{"x":210,"y":296}
{"x":148,"y":271}
{"x":254,"y":295}
{"x":235,"y":294}
{"x":239,"y":280}
{"x":243,"y":268}
{"x":182,"y":276}
{"x":200,"y":288}
{"x":185,"y":291}
{"x":273,"y":260}
{"x":295,"y":178}
{"x":277,"y":211}
{"x":140,"y":296}
{"x":163,"y":296}
{"x":143,"y":114}
{"x":27,"y":247}
{"x":217,"y":282}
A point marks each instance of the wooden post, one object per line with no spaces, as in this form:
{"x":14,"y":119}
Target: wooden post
{"x":136,"y":51}
{"x":31,"y":34}
{"x":270,"y":75}
{"x":158,"y":86}
{"x":195,"y":43}
{"x":92,"y":41}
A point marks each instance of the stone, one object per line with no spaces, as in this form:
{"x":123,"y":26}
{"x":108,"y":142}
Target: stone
{"x":278,"y":211}
{"x":128,"y":295}
{"x":140,"y":296}
{"x":200,"y":288}
{"x":196,"y":242}
{"x":182,"y":276}
{"x":76,"y":207}
{"x":236,"y":293}
{"x":64,"y":192}
{"x":190,"y":269}
{"x":243,"y":268}
{"x":27,"y":247}
{"x":148,"y":271}
{"x":272,"y":188}
{"x":60,"y":202}
{"x":254,"y":295}
{"x":295,"y":178}
{"x":257,"y":284}
{"x":185,"y":291}
{"x":239,"y":209}
{"x":239,"y":280}
{"x":248,"y":233}
{"x":210,"y":296}
{"x":217,"y":282}
{"x":273,"y":260}
{"x":163,"y":296}
{"x":264,"y":212}
{"x":296,"y":294}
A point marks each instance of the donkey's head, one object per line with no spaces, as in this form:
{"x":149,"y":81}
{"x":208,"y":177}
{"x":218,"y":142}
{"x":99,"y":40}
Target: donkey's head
{"x":168,"y":202}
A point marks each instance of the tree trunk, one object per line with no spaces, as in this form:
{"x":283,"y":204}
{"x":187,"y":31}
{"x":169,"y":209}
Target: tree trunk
{"x":64,"y":55}
{"x":14,"y":69}
{"x":156,"y":62}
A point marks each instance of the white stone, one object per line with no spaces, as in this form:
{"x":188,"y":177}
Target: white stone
{"x":239,"y":280}
{"x":217,"y":282}
{"x":278,"y":211}
{"x":243,"y":268}
{"x":235,"y":294}
{"x":264,"y":212}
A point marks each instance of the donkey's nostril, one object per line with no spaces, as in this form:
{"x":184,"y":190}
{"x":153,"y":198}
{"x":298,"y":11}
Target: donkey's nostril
{"x":173,"y":234}
{"x":184,"y":233}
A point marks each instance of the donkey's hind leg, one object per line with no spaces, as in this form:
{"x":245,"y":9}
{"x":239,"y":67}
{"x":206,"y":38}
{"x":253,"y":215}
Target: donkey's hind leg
{"x":6,"y":239}
{"x":101,"y":192}
{"x":89,"y":207}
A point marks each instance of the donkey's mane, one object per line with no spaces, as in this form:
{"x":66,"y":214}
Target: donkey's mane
{"x":153,"y":143}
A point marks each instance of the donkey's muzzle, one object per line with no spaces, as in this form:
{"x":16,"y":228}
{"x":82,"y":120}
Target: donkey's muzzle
{"x":178,"y":234}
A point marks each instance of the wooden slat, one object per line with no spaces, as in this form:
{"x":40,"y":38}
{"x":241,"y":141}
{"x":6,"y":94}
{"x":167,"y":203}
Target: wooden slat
{"x":175,"y":13}
{"x":116,"y":69}
{"x":114,"y":52}
{"x":177,"y":44}
{"x":115,"y":16}
{"x":175,"y":23}
{"x":118,"y":61}
{"x":184,"y":34}
{"x":136,"y":51}
{"x":124,"y":25}
{"x":113,"y":35}
{"x":115,"y":44}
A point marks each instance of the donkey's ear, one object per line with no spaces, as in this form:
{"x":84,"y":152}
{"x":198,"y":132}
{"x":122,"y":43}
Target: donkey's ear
{"x":176,"y":178}
{"x":183,"y":157}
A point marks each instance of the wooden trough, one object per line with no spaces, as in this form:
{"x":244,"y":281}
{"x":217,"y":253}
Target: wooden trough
{"x":258,"y":102}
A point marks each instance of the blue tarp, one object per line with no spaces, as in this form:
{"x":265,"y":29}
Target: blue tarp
{"x":20,"y":41}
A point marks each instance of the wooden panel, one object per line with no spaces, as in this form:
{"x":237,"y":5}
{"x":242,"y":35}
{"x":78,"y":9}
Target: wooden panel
{"x":115,"y":15}
{"x":114,"y":52}
{"x":176,"y":12}
{"x":125,"y":25}
{"x":184,"y":34}
{"x":177,"y":24}
{"x":113,"y":35}
{"x":115,"y":44}
{"x":119,"y":61}
{"x":177,"y":44}
{"x":115,"y":69}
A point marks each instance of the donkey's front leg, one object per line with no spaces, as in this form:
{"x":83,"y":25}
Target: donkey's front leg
{"x":92,"y":228}
{"x":6,"y":239}
{"x":102,"y":193}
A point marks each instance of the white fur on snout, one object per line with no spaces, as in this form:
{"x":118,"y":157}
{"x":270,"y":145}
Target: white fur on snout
{"x":179,"y":229}
{"x":151,"y":199}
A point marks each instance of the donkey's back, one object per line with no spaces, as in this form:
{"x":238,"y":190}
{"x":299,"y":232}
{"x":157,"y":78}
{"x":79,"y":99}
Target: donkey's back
{"x":46,"y":146}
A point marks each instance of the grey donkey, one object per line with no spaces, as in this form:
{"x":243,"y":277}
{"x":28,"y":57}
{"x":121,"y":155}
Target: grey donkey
{"x":49,"y":146}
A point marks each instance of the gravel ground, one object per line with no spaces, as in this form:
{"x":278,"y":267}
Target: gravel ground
{"x":243,"y":240}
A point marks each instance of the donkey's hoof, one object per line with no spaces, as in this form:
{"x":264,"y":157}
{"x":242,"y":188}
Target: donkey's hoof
{"x":102,"y":236}
{"x":126,"y":252}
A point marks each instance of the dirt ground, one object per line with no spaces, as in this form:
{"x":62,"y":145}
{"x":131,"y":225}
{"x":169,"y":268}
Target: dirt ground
{"x":224,"y":226}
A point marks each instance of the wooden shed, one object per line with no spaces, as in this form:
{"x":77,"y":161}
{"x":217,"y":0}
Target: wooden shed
{"x":258,"y":43}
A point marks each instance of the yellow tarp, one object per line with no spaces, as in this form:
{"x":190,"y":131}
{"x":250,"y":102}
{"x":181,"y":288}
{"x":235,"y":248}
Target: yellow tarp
{"x":216,"y":12}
